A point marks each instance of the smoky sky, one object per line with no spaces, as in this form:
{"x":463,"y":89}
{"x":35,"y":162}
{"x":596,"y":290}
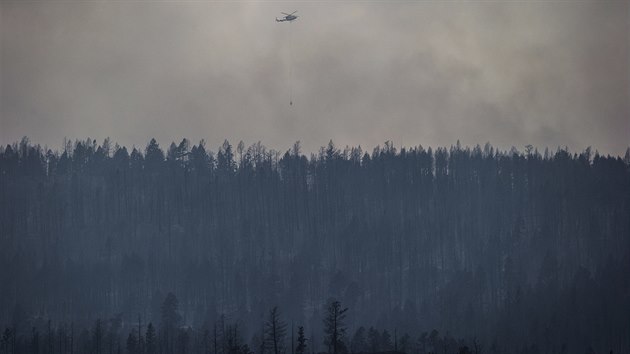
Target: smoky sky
{"x":510,"y":73}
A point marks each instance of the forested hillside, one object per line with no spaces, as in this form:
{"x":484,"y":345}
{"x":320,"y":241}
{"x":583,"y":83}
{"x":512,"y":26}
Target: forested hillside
{"x":524,"y":251}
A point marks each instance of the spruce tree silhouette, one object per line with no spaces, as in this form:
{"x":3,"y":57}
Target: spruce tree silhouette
{"x":335,"y":327}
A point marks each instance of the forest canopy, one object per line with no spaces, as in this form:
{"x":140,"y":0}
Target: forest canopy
{"x":519,"y":249}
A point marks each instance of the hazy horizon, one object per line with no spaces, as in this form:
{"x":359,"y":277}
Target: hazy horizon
{"x":340,"y":146}
{"x":547,"y":74}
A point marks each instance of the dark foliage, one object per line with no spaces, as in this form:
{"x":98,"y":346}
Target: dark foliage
{"x":520,"y":251}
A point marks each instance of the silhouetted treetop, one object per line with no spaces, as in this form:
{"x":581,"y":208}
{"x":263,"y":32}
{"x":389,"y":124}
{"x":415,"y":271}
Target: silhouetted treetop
{"x":516,"y":248}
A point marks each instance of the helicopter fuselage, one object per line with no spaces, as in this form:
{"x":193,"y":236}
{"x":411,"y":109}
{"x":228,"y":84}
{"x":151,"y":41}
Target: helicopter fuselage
{"x":287,"y":18}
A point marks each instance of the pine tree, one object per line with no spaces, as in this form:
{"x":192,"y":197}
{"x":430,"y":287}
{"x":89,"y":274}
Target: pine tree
{"x":150,"y":340}
{"x":358,"y":343}
{"x":301,"y":341}
{"x":334,"y":327}
{"x":275,"y":332}
{"x":132,"y":343}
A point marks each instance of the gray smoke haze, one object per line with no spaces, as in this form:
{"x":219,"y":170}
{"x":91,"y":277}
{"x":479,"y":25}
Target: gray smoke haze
{"x":517,"y":73}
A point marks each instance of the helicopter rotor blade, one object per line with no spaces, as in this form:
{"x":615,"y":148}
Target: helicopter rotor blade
{"x":293,"y":12}
{"x":284,"y":13}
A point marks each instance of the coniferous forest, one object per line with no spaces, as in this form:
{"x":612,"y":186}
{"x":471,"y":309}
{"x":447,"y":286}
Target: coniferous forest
{"x":179,"y":249}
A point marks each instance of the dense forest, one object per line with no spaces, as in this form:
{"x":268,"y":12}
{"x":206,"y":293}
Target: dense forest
{"x":251,"y":250}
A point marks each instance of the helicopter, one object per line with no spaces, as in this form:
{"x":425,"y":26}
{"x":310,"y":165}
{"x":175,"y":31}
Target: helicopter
{"x":287,"y":17}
